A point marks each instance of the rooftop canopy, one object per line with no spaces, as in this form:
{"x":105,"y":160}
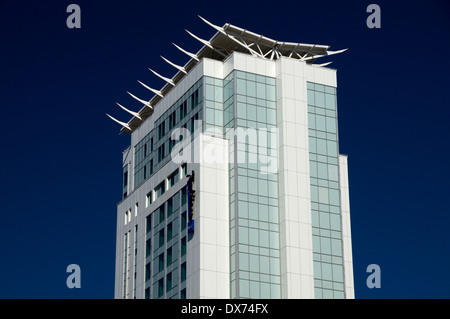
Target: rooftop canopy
{"x":228,"y":39}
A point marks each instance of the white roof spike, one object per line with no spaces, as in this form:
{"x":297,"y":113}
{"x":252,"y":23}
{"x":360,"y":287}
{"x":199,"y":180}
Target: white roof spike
{"x":140,"y":100}
{"x":324,"y":64}
{"x":336,"y":52}
{"x":135,"y":114}
{"x":175,"y":65}
{"x":212,"y":25}
{"x":322,"y":55}
{"x":194,"y":56}
{"x":125,"y":125}
{"x":207,"y":43}
{"x":149,"y":88}
{"x":162,"y":77}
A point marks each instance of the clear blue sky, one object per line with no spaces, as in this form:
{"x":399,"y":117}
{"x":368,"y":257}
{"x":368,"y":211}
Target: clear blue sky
{"x":61,"y":156}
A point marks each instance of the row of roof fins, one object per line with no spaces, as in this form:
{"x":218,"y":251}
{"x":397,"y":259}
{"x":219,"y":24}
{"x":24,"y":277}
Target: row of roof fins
{"x":228,"y":39}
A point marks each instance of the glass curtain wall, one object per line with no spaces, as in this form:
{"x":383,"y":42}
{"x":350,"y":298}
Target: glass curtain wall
{"x":325,"y":193}
{"x":250,"y":110}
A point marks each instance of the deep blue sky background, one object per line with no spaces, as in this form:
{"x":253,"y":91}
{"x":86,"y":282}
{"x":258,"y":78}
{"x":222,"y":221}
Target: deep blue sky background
{"x":61,"y":156}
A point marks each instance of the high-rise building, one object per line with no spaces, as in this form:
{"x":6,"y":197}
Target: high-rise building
{"x":233,"y":185}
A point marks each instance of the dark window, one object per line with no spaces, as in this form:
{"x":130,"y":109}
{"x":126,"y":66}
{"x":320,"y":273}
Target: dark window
{"x":169,"y":282}
{"x":169,"y":256}
{"x":170,"y":206}
{"x":183,"y":294}
{"x":161,"y":153}
{"x":161,"y":238}
{"x":125,"y":179}
{"x":147,"y":271}
{"x":148,"y":247}
{"x":161,"y":287}
{"x":145,"y":171}
{"x":160,"y":189}
{"x":183,"y":221}
{"x":161,"y":262}
{"x":147,"y":293}
{"x":196,"y":97}
{"x":161,"y":213}
{"x":183,"y":195}
{"x":183,"y":110}
{"x":161,"y":130}
{"x":183,"y":246}
{"x":145,"y":150}
{"x":148,"y":220}
{"x":172,"y":120}
{"x":183,"y":272}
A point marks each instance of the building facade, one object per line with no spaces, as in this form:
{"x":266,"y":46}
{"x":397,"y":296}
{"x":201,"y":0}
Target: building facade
{"x":233,"y":185}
